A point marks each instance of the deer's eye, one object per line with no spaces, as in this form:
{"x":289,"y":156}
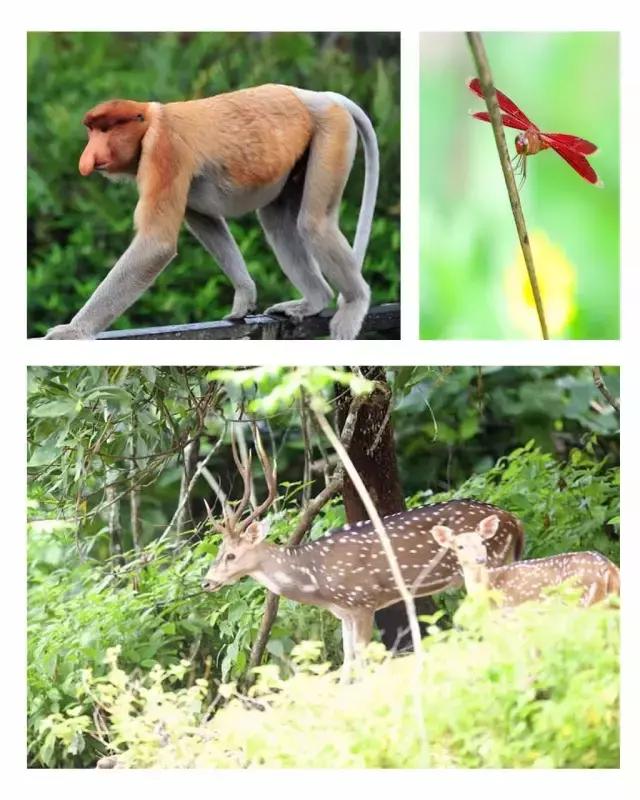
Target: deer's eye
{"x":230,"y":557}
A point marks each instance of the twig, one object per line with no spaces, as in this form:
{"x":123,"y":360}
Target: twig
{"x":602,"y":387}
{"x":190,"y":455}
{"x":114,"y":525}
{"x":192,"y":483}
{"x":306,"y":445}
{"x":488,"y":89}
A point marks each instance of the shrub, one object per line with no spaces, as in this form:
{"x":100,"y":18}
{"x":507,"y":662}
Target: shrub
{"x":535,"y":687}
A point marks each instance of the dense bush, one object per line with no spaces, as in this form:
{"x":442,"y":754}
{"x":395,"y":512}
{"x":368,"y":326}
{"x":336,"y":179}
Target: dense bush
{"x":77,"y":228}
{"x":536,"y":687}
{"x":152,"y":609}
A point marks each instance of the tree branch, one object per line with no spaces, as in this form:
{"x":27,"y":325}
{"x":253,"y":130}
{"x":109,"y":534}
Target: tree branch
{"x":187,"y":493}
{"x":602,"y":387}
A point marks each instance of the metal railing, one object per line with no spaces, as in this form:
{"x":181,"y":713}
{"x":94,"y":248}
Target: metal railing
{"x":382,"y":322}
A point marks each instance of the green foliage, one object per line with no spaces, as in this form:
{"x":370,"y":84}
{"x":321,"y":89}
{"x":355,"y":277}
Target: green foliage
{"x":452,"y":423}
{"x":84,"y":424}
{"x":153,"y":609}
{"x":537,"y":687}
{"x":77,"y":227}
{"x":272,"y":389}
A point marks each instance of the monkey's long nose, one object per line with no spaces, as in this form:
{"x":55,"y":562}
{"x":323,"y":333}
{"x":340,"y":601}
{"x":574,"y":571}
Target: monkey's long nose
{"x":91,"y":159}
{"x":87,"y":163}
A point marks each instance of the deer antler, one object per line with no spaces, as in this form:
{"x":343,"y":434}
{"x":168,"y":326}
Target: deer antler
{"x":270,"y":476}
{"x":219,"y":527}
{"x":232,"y":525}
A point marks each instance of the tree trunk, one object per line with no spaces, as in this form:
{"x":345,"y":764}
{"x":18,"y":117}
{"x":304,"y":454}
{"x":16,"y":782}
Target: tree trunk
{"x":374,"y":456}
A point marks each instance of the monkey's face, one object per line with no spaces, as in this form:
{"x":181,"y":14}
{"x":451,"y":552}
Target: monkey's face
{"x":115,"y":130}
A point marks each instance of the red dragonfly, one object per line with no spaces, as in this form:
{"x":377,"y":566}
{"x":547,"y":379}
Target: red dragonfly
{"x":572,"y":148}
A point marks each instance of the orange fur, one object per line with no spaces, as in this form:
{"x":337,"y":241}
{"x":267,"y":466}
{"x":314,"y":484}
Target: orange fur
{"x":338,"y":126}
{"x":164,"y":175}
{"x":331,"y":152}
{"x":256,"y":135}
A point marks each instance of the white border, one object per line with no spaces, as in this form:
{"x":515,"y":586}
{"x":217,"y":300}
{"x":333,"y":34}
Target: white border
{"x":410,"y":18}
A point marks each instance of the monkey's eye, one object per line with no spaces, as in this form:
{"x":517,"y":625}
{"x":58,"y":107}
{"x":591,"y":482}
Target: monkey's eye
{"x":230,"y":557}
{"x":140,"y":117}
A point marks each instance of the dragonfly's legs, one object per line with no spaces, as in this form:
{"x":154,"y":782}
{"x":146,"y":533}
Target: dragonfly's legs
{"x":519,"y":162}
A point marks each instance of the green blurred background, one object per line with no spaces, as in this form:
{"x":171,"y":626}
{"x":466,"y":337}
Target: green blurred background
{"x":77,"y":227}
{"x":473,"y":282}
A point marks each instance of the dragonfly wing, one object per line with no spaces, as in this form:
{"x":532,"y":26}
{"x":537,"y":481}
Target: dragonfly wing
{"x":572,"y":142}
{"x":507,"y":120}
{"x":578,"y":162}
{"x":506,"y":105}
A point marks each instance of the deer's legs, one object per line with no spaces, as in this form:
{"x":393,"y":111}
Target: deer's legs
{"x":362,"y":629}
{"x":348,"y":648}
{"x":591,"y":595}
{"x":356,"y":635}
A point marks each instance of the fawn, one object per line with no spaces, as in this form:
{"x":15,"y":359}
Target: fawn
{"x":525,"y":580}
{"x":346,"y":570}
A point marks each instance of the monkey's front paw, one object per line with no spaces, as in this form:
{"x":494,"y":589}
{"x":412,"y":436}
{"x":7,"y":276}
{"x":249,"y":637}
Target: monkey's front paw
{"x":240,"y":313}
{"x":67,"y":332}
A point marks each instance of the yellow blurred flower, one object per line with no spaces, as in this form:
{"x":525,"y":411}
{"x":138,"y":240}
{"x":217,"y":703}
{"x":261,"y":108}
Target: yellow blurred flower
{"x":557,"y":282}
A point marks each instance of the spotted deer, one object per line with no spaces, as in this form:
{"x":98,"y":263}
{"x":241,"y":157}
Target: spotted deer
{"x":525,"y":580}
{"x":346,"y":570}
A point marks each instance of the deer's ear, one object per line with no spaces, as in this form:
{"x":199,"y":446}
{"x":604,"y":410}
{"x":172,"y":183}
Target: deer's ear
{"x":257,"y":531}
{"x":488,"y":526}
{"x":442,"y":535}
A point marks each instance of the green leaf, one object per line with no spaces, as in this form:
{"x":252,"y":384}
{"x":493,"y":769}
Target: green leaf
{"x":54,"y":408}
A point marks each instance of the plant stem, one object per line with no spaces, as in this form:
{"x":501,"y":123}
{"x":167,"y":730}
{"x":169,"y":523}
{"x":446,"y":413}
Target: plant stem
{"x":602,"y":387}
{"x":488,"y":89}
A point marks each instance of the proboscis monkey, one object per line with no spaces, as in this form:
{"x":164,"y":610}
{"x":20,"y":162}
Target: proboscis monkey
{"x":282,"y":151}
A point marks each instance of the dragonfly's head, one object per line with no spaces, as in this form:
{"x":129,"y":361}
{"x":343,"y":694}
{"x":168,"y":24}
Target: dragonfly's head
{"x":522,"y":144}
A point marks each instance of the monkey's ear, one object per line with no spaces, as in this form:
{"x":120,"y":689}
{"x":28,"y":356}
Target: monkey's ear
{"x":442,"y":535}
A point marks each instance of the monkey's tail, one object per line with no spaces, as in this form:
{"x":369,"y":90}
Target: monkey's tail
{"x":371,"y":174}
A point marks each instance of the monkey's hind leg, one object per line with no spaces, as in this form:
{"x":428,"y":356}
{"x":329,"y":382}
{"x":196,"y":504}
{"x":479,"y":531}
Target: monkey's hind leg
{"x":214,"y":235}
{"x":279,"y":222}
{"x":330,"y":159}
